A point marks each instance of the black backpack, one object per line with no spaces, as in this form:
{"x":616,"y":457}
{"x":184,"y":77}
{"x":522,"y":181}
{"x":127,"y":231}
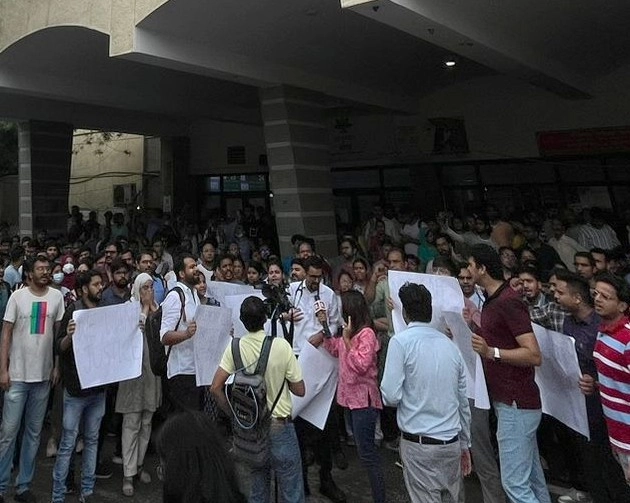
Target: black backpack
{"x":247,"y":398}
{"x":158,"y":358}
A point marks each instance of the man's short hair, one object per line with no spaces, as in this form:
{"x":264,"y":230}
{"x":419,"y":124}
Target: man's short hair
{"x":209,"y":241}
{"x":116,"y":244}
{"x":531,"y":270}
{"x":600,"y":251}
{"x":29,"y":263}
{"x":314,"y":261}
{"x":85,"y":278}
{"x":416,"y":301}
{"x":445,"y":263}
{"x":119,"y":263}
{"x":446,"y":237}
{"x":619,"y":284}
{"x":586,"y":255}
{"x":225,"y":256}
{"x":179,"y":264}
{"x":484,"y":255}
{"x":577,"y":285}
{"x":253,"y":314}
{"x":297,"y":261}
{"x":17,"y":253}
{"x":396,"y":250}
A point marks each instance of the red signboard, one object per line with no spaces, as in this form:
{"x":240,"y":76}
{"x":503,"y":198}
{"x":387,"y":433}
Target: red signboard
{"x":584,"y":141}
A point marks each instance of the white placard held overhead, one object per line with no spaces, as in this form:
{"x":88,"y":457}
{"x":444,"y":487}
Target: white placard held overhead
{"x":210,"y":340}
{"x":558,"y":377}
{"x":107,"y":344}
{"x":320,"y":371}
{"x":446,"y":295}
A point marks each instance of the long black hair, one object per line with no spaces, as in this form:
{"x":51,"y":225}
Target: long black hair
{"x":195,"y":463}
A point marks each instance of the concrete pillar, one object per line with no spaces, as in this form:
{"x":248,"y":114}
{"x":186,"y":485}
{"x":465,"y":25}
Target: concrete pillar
{"x":296,"y":136}
{"x":45,"y":156}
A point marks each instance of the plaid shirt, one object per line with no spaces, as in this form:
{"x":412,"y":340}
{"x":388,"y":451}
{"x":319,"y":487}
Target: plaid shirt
{"x":550,"y":315}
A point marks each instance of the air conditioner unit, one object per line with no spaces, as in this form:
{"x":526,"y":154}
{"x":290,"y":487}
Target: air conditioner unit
{"x":124,"y":195}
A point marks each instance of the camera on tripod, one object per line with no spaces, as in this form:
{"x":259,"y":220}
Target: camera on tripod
{"x":276,"y":300}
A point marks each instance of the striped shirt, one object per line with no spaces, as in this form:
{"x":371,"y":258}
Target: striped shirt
{"x":612,"y":359}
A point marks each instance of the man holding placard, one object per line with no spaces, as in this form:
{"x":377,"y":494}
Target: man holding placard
{"x":510,"y":351}
{"x":85,"y":406}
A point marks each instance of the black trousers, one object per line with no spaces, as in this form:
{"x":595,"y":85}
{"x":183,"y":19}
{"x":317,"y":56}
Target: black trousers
{"x":184,"y":394}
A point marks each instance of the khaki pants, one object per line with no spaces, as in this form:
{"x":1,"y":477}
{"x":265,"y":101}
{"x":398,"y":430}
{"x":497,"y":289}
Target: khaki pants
{"x":432,"y":473}
{"x":136,"y":433}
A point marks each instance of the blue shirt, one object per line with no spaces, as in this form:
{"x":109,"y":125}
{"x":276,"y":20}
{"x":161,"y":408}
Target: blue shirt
{"x":425,"y":378}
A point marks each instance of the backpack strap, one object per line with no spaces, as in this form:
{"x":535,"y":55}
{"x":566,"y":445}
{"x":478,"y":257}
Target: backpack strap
{"x":261,"y":366}
{"x":182,"y":314}
{"x":236,"y":354}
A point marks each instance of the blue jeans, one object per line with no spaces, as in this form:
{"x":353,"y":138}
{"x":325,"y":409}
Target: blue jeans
{"x":27,"y":399}
{"x":363,"y":428}
{"x":91,"y":408}
{"x":521,"y":472}
{"x":287,"y":465}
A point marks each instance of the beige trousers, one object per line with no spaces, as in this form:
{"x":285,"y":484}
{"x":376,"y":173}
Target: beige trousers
{"x":136,"y":434}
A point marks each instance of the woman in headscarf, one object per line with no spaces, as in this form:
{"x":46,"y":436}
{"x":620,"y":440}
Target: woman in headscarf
{"x":138,"y":398}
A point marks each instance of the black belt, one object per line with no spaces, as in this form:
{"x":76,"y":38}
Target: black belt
{"x":427,"y":440}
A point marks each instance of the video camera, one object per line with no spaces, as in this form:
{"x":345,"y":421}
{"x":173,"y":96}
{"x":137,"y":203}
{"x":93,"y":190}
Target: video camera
{"x":276,"y":300}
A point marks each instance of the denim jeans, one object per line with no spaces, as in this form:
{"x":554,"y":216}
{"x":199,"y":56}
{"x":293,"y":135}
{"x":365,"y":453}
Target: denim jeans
{"x":287,"y":465}
{"x":28,"y":400}
{"x":521,"y":472}
{"x":363,"y":429}
{"x":91,"y":409}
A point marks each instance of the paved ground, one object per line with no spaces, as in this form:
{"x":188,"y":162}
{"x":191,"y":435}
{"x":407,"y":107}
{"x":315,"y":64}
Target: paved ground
{"x":353,"y":481}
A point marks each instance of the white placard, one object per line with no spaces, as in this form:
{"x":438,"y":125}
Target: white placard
{"x":446,"y":295}
{"x":217,"y":291}
{"x":558,"y":377}
{"x":476,"y":387}
{"x":320,"y":371}
{"x":107,"y":344}
{"x":210,"y":340}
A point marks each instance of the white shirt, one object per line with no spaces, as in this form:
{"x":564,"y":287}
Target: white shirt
{"x":12,"y":275}
{"x":567,"y":248}
{"x":412,"y":231}
{"x":182,"y":359}
{"x":33,"y":318}
{"x":309,"y":325}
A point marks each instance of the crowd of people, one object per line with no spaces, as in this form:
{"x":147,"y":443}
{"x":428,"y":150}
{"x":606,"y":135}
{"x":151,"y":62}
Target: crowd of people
{"x":404,"y":391}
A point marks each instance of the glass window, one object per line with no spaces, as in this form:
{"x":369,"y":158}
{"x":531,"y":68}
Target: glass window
{"x":356,"y":179}
{"x":458,"y":175}
{"x":398,"y":177}
{"x":619,"y":170}
{"x":583,"y":170}
{"x":245,"y":183}
{"x":213,"y":184}
{"x":516,"y":173}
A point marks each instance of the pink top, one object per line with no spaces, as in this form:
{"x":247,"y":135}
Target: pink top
{"x":358,"y":386}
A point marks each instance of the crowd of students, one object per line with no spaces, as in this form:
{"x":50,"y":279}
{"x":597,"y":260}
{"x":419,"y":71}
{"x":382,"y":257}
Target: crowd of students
{"x":564,"y":271}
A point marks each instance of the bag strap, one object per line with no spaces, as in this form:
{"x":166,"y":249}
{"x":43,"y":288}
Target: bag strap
{"x":182,"y":314}
{"x":261,"y":367}
{"x":275,"y":402}
{"x":236,"y":354}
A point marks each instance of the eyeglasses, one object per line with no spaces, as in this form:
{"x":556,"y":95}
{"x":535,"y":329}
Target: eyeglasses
{"x":596,"y":294}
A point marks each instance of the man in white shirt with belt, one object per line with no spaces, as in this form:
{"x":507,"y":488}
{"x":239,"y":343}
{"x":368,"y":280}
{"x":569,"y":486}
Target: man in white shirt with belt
{"x":424,"y":376}
{"x":176,"y":332}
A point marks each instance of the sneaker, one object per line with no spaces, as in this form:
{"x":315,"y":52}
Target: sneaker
{"x":117,"y":460}
{"x":25,"y":497}
{"x":79,"y":447}
{"x":392,"y":445}
{"x":51,"y":448}
{"x":127,"y":486}
{"x":575,"y":496}
{"x":329,"y":489}
{"x":103,"y":471}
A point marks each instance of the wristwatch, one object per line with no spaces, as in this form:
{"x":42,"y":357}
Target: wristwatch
{"x":497,"y":355}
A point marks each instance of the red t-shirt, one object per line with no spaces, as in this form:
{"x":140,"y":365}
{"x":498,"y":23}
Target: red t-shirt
{"x":503,"y":318}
